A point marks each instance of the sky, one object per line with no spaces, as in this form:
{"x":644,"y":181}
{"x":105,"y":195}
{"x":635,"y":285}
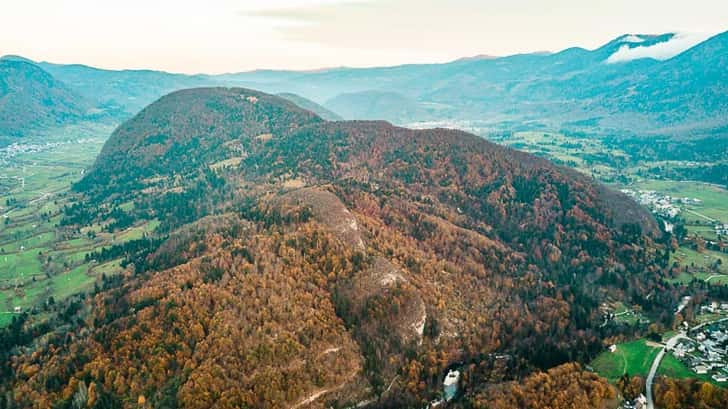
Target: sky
{"x":217,"y":36}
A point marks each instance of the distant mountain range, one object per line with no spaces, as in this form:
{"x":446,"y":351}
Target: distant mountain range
{"x":317,"y":109}
{"x":609,"y":90}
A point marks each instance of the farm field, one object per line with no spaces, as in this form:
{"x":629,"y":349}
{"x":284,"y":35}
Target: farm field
{"x":701,"y":207}
{"x":714,"y":198}
{"x":40,"y":261}
{"x":707,"y":262}
{"x":586,"y":154}
{"x":633,"y":358}
{"x":673,"y":368}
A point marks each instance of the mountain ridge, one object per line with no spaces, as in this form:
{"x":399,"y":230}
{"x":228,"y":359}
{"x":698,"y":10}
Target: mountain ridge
{"x":351,"y":261}
{"x":553,"y":91}
{"x":31,"y":98}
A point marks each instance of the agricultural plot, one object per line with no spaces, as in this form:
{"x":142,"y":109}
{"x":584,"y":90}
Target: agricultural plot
{"x":714,"y":198}
{"x":632,"y":358}
{"x":586,"y":154}
{"x":39,"y":259}
{"x":711,"y":262}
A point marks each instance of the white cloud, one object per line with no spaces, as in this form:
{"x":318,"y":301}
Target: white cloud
{"x":632,"y":39}
{"x":660,"y":51}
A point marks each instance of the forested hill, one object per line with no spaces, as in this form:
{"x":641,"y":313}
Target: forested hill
{"x":189,"y":129}
{"x":305,"y":263}
{"x":31,"y":98}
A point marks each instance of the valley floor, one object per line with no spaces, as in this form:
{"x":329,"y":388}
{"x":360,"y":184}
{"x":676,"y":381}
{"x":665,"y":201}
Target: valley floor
{"x":40,"y":261}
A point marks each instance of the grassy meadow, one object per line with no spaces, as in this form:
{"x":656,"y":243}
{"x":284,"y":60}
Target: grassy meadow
{"x":39,"y":259}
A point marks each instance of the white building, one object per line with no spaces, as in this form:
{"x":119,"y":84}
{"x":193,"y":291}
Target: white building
{"x":451,"y":384}
{"x":719,"y":377}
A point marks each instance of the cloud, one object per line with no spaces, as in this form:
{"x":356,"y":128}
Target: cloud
{"x":632,"y":39}
{"x":660,"y":51}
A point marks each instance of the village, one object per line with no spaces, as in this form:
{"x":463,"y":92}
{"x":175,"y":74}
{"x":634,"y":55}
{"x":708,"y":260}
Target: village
{"x":7,"y":153}
{"x":669,"y":207}
{"x":704,"y":348}
{"x":660,"y":204}
{"x":701,"y":350}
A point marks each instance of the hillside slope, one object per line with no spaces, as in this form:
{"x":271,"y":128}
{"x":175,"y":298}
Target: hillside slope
{"x":307,"y":104}
{"x":306,"y":263}
{"x":127,"y":91}
{"x":389,"y":106}
{"x":31,"y":98}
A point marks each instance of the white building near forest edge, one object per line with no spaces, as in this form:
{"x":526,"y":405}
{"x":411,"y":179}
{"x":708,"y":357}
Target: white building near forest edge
{"x":451,"y":384}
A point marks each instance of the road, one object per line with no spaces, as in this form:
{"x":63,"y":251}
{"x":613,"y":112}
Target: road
{"x":710,"y":219}
{"x":656,"y":364}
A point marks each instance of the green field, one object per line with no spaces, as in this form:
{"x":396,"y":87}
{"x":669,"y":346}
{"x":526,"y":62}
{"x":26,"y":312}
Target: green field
{"x":715,"y":198}
{"x":38,"y":258}
{"x":701,"y":265}
{"x":633,"y":358}
{"x":706,"y":232}
{"x":585,"y":154}
{"x":673,"y":368}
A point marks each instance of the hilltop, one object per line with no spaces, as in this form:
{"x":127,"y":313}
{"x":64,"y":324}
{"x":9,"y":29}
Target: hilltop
{"x":300,"y":262}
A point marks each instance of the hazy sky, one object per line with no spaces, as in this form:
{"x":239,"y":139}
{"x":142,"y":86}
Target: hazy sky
{"x":216,"y":36}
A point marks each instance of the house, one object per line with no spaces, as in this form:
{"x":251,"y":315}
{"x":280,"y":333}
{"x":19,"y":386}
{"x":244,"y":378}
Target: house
{"x":701,"y":369}
{"x":612,"y":348}
{"x":435,"y":403}
{"x":719,"y":377}
{"x":450,"y":384}
{"x":640,"y":402}
{"x":17,"y":310}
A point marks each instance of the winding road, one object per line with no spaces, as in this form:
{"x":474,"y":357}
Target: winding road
{"x":656,"y":364}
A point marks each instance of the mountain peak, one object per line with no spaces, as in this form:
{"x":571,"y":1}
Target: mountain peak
{"x":190,"y":127}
